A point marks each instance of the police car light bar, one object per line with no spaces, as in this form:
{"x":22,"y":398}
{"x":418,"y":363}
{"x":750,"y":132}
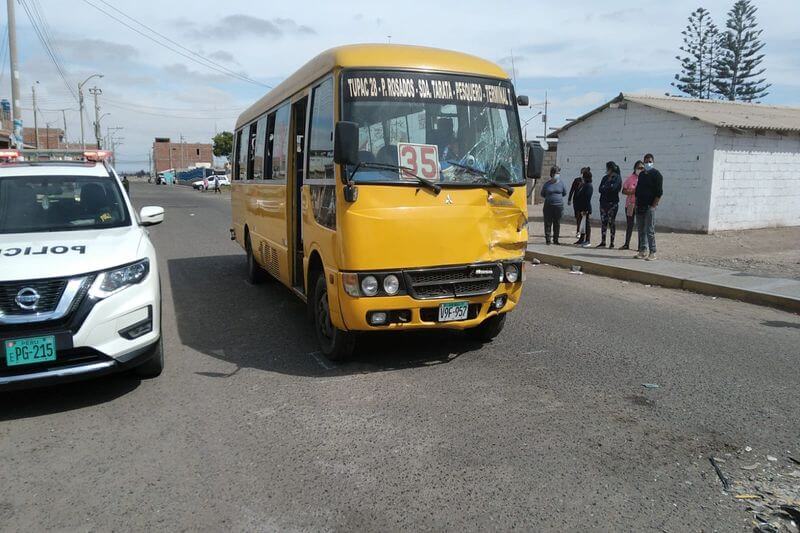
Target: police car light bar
{"x":9,"y":154}
{"x":97,"y":155}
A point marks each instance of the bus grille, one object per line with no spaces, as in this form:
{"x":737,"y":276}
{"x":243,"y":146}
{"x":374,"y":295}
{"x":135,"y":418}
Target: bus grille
{"x":49,"y":291}
{"x":453,"y":282}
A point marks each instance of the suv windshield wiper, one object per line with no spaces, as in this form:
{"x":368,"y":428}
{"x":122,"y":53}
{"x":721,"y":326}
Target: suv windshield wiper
{"x":406,"y":171}
{"x":484,"y":177}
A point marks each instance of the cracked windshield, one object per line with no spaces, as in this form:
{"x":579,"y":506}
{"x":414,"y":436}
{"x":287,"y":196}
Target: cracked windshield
{"x":448,"y":129}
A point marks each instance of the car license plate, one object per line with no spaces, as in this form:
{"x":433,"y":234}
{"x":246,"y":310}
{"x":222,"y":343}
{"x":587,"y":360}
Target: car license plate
{"x":30,"y":350}
{"x":452,"y":311}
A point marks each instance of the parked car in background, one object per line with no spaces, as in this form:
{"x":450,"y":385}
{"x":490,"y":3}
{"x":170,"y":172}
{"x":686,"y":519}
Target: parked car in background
{"x":200,"y":184}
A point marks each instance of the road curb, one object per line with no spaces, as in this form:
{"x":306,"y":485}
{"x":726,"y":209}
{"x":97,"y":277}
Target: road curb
{"x":785,"y":303}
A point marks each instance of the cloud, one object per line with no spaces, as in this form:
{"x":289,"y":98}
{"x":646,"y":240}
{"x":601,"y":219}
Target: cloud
{"x":222,"y":55}
{"x":83,"y":50}
{"x":240,"y":25}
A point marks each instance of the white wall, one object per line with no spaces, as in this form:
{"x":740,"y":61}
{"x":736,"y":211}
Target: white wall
{"x":683,"y":149}
{"x":756,"y":181}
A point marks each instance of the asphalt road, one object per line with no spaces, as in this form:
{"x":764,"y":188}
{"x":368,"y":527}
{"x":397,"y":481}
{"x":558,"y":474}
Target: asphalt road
{"x":547,"y":428}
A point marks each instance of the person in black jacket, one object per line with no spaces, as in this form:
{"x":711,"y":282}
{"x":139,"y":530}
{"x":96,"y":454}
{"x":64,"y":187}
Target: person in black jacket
{"x":649,"y":190}
{"x":609,"y":189}
{"x":583,"y":205}
{"x":577,"y":183}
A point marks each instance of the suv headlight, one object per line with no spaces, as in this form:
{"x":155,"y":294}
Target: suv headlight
{"x":112,"y":281}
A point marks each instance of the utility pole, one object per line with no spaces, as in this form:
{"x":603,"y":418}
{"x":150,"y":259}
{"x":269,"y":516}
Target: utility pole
{"x":64,"y":116}
{"x":47,"y":135}
{"x":183,"y":160}
{"x":94,"y":91}
{"x":80,"y":103}
{"x":112,"y":143}
{"x":35,"y":117}
{"x":16,"y":111}
{"x":544,"y":117}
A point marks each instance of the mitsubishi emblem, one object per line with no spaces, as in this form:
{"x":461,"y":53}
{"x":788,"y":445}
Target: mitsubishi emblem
{"x":448,"y":200}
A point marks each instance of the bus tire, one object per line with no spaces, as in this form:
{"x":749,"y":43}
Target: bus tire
{"x":488,"y":329}
{"x":255,"y":274}
{"x":335,"y":344}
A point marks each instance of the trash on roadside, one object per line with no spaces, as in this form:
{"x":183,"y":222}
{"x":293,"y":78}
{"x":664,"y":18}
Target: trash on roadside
{"x":648,"y":285}
{"x":772,"y":458}
{"x":751,"y":467}
{"x":748,"y":449}
{"x":726,"y":485}
{"x":650,"y":385}
{"x":535,"y":261}
{"x":713,"y":297}
{"x":575,"y":269}
{"x":747,"y":497}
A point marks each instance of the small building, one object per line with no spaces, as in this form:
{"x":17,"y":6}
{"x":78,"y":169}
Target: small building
{"x":726,"y":165}
{"x":181,"y":155}
{"x":49,"y":138}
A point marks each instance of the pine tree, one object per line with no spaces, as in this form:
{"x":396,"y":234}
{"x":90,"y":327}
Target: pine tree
{"x":700,"y":48}
{"x":738,"y":71}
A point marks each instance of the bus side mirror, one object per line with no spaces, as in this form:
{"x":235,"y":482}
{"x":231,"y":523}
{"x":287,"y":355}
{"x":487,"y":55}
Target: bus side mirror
{"x":345,"y":143}
{"x":535,"y":161}
{"x":522,"y":100}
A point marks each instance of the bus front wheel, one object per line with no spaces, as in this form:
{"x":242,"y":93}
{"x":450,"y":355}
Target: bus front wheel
{"x":336,"y":344}
{"x":488,"y":329}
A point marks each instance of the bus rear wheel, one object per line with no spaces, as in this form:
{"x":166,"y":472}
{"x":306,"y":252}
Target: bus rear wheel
{"x":255,"y":274}
{"x":336,"y":345}
{"x":488,"y":329}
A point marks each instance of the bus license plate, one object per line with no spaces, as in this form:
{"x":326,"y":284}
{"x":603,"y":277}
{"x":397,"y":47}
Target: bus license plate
{"x":452,"y":311}
{"x":30,"y":350}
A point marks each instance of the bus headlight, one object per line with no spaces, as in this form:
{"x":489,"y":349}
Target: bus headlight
{"x":369,"y":286}
{"x":391,"y":284}
{"x":512,"y":273}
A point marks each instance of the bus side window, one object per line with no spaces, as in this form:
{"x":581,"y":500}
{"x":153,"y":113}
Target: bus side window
{"x":268,"y":141}
{"x":242,"y":148}
{"x":258,"y":160}
{"x":251,"y":150}
{"x":236,"y":149}
{"x":320,"y":153}
{"x":280,"y":143}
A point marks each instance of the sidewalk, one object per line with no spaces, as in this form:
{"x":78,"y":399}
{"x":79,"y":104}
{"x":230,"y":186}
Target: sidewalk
{"x":762,"y":290}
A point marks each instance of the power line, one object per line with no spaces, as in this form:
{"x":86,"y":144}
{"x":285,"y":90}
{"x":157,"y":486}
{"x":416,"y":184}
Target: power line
{"x":188,"y":109}
{"x":168,"y":115}
{"x":189,"y":54}
{"x":40,"y":33}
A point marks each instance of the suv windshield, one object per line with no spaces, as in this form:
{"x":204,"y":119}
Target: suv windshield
{"x":60,"y":203}
{"x":448,"y":129}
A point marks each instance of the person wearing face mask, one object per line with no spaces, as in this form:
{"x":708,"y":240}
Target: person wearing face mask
{"x":649,"y":190}
{"x":629,"y":190}
{"x":609,"y":189}
{"x":553,"y":192}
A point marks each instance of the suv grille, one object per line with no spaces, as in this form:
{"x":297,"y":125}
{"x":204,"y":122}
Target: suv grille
{"x":449,"y":282}
{"x":49,"y":291}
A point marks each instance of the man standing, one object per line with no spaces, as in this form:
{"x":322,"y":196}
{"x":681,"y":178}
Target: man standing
{"x":216,"y":185}
{"x":649,"y":190}
{"x":553,"y":192}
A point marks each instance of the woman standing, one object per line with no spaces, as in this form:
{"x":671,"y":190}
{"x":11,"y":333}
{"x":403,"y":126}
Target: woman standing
{"x":577,"y":183}
{"x":610,"y":186}
{"x":583,"y":205}
{"x":553,"y":192}
{"x":629,"y":190}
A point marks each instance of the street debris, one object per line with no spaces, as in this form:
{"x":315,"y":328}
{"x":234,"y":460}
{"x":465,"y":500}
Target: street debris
{"x":725,"y":483}
{"x":650,"y":385}
{"x":748,"y":449}
{"x":751,"y":467}
{"x":747,"y":497}
{"x":535,"y":261}
{"x":795,"y":461}
{"x":772,"y":458}
{"x":575,"y":269}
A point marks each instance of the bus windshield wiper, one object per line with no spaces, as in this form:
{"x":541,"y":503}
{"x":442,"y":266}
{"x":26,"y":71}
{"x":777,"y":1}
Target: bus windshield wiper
{"x":406,"y":172}
{"x":484,"y":177}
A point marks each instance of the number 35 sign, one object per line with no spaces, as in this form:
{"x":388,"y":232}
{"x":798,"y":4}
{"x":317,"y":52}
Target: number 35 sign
{"x":419,"y":159}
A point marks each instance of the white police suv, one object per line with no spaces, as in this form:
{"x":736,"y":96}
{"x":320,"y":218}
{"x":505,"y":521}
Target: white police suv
{"x":79,"y":289}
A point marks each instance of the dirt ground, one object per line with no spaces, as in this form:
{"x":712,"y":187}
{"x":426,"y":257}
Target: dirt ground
{"x":768,"y":252}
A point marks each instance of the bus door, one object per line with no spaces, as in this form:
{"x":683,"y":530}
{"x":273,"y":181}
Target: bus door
{"x":298,"y":143}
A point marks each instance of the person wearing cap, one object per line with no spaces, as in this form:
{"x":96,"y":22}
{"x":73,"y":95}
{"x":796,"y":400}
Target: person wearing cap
{"x":553,"y":191}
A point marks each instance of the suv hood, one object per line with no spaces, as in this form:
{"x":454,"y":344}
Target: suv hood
{"x":26,"y":256}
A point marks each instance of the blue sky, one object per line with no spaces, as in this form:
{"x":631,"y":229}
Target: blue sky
{"x":581,"y":52}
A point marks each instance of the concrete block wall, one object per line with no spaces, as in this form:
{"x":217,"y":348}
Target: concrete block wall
{"x":683,"y":149}
{"x":756,"y":181}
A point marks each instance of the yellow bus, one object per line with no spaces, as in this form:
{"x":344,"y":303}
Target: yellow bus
{"x":385,"y":186}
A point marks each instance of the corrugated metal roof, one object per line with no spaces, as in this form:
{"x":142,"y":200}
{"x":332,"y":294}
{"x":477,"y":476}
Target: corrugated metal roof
{"x":720,"y":113}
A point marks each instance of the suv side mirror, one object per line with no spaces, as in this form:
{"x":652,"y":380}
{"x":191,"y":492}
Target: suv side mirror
{"x":522,"y":100}
{"x":150,"y":215}
{"x":345,"y":143}
{"x":535,"y":161}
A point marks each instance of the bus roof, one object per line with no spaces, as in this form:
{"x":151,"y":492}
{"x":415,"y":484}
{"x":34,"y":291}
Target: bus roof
{"x":372,"y":56}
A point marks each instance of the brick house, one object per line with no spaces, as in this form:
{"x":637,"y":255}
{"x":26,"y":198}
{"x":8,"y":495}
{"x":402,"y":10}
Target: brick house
{"x":726,"y":165}
{"x":180,"y":156}
{"x":49,"y":138}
